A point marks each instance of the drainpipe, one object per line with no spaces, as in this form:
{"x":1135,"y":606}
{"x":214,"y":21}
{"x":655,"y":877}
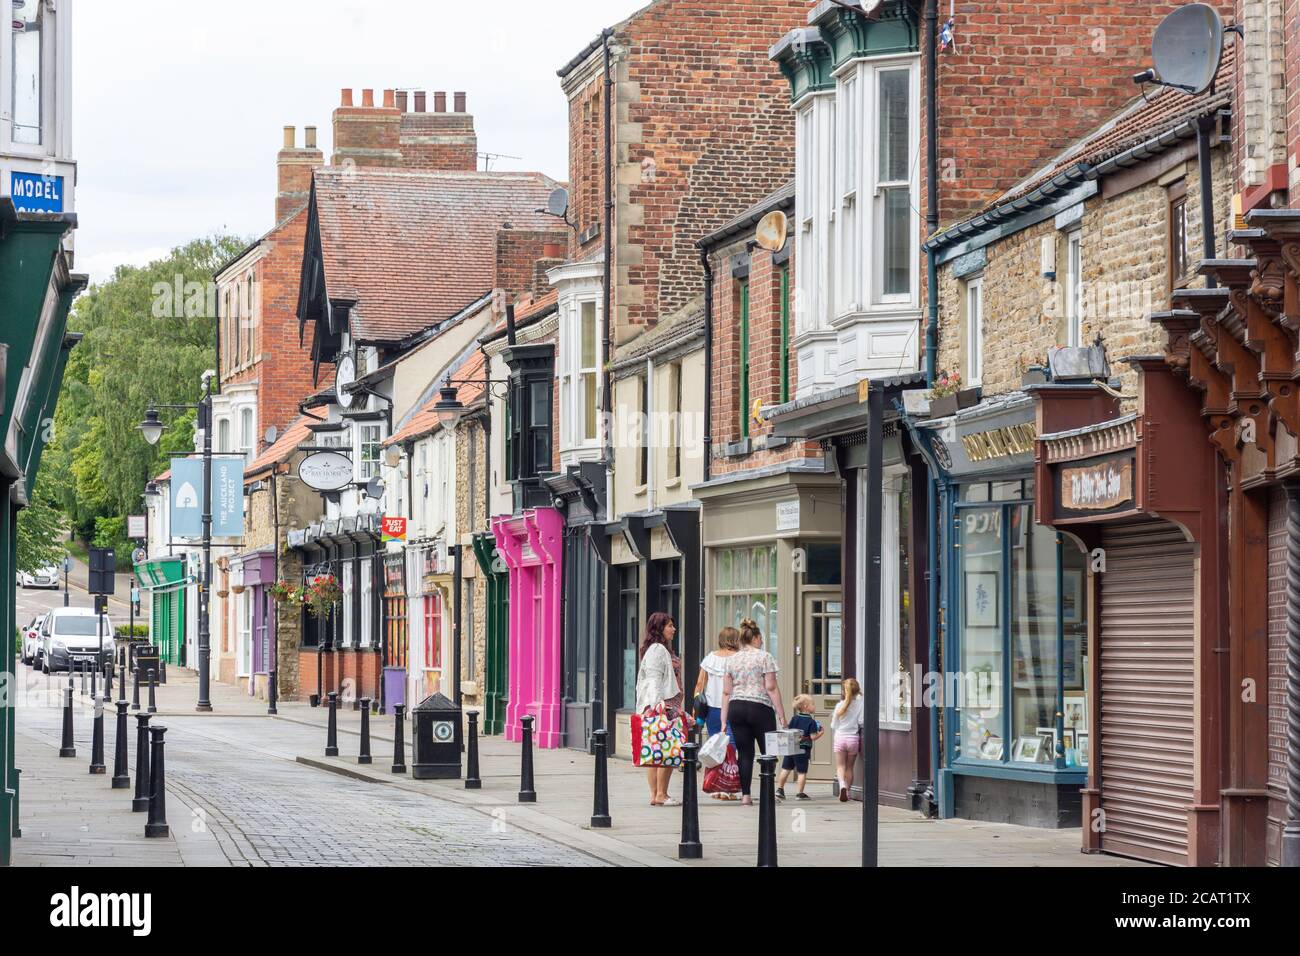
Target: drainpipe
{"x":708,"y":361}
{"x":931,"y":188}
{"x":608,"y":227}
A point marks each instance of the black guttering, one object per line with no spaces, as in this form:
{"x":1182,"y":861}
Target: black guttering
{"x":587,"y":51}
{"x":782,"y":199}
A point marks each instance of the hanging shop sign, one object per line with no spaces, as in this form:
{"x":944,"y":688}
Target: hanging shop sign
{"x":326,"y":471}
{"x":1098,"y":486}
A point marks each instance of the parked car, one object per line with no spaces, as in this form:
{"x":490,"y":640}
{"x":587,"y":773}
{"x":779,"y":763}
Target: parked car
{"x":46,"y":577}
{"x":71,"y":635}
{"x":32,"y":641}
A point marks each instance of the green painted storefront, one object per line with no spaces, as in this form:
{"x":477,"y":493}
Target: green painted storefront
{"x":494,"y":663}
{"x":165,"y":580}
{"x":36,"y":292}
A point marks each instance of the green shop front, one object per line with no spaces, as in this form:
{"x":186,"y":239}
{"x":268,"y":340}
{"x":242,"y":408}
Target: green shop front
{"x":1013,"y":685}
{"x":497,"y":583}
{"x":36,"y":292}
{"x":166,"y":579}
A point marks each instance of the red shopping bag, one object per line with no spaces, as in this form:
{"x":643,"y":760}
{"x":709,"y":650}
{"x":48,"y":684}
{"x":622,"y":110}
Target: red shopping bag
{"x":725,"y":777}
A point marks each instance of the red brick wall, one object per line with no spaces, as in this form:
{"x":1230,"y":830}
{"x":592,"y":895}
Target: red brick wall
{"x":445,"y":141}
{"x":284,"y":371}
{"x":365,"y":134}
{"x":1026,"y":81}
{"x":587,"y":165}
{"x":518,"y":252}
{"x":764,"y":359}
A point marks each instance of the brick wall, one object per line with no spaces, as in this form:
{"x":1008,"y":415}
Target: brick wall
{"x":523,"y":255}
{"x":365,"y":134}
{"x":1026,"y":81}
{"x":438,"y":140}
{"x":703,"y":130}
{"x":1125,"y":276}
{"x":764,"y":359}
{"x":473,"y":626}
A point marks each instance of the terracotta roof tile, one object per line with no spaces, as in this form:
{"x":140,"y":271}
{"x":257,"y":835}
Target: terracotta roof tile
{"x":283,"y":448}
{"x":413,"y":248}
{"x":426,"y":420}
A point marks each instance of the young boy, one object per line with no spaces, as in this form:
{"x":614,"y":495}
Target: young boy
{"x":801,"y":721}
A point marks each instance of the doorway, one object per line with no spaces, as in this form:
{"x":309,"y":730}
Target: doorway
{"x":822,"y":665}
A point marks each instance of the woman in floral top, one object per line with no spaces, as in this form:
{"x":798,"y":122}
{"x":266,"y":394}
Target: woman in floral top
{"x":751,"y":701}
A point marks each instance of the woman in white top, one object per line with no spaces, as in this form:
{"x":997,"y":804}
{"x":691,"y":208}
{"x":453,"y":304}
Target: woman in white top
{"x":751,"y":701}
{"x":846,"y":729}
{"x":658,"y":681}
{"x":713,"y":670}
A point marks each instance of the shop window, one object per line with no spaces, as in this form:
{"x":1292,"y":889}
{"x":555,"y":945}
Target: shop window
{"x":746,"y":588}
{"x":1023,"y":638}
{"x":366,"y":568}
{"x":629,"y":615}
{"x":347,"y":584}
{"x":823,"y":565}
{"x":1179,"y":261}
{"x":396,"y":612}
{"x":433,"y":625}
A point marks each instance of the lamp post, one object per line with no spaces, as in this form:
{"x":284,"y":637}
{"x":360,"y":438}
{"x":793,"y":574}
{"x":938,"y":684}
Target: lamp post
{"x":152,"y":428}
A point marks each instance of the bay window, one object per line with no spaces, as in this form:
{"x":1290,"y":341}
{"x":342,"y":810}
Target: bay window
{"x":28,"y":68}
{"x":895,"y":233}
{"x":579,"y":375}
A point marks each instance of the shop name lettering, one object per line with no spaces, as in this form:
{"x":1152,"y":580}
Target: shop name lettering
{"x":1000,"y":442}
{"x":46,"y":188}
{"x":1099,"y":486}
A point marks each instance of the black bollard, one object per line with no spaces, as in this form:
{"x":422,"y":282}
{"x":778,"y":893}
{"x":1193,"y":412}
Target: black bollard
{"x":364,"y":756}
{"x":153,"y":682}
{"x":97,"y":739}
{"x":767,"y":810}
{"x":162,"y":673}
{"x":157,"y":823}
{"x":527,"y":794}
{"x":81,"y":669}
{"x":94,"y":678}
{"x":332,"y":727}
{"x":135,"y":689}
{"x":108,"y":681}
{"x":600,"y":806}
{"x":472,"y":780}
{"x":399,"y":745}
{"x":121,"y":775}
{"x":270,"y":695}
{"x":68,"y":748}
{"x":141,"y":801}
{"x":15,"y":829}
{"x":690,"y":848}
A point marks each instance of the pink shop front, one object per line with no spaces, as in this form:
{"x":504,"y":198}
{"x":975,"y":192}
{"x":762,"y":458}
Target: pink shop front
{"x":255,"y":618}
{"x":532,"y":544}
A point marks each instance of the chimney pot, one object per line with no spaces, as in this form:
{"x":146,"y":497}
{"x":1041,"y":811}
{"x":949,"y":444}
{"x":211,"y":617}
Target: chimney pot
{"x":388,"y":99}
{"x":289,"y":137}
{"x":401,"y":100}
{"x":419,"y":101}
{"x":440,"y":102}
{"x":347,"y":97}
{"x":309,"y":134}
{"x":460,"y":102}
{"x":368,"y":98}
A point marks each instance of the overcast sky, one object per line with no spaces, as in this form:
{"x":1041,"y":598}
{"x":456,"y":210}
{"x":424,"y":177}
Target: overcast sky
{"x":178,"y":107}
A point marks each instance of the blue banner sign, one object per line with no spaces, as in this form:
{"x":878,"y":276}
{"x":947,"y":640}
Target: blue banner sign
{"x":227,"y":497}
{"x":32,"y":192}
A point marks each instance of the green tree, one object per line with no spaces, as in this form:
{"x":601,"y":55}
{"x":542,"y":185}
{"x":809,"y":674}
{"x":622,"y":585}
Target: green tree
{"x":149,"y":334}
{"x":40,"y":528}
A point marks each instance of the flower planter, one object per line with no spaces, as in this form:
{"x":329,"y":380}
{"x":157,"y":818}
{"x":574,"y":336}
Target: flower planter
{"x":943,"y":406}
{"x":238,"y":588}
{"x":222,"y":594}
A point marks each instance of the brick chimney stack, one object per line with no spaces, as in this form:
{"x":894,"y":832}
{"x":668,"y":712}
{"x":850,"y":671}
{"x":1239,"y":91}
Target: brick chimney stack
{"x":367,"y":135}
{"x":439,"y":140}
{"x":293,"y":172}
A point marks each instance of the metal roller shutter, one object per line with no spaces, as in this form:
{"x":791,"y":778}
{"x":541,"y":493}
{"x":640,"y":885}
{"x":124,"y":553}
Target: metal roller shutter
{"x":1276,"y":672}
{"x":1147,"y":647}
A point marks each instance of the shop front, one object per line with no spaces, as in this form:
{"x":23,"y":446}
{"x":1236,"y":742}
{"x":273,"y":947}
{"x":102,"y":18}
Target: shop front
{"x":496,"y":580}
{"x":255,"y":614}
{"x":532,"y":545}
{"x":166,"y":581}
{"x":397,"y":630}
{"x":1139,"y":493}
{"x":1012,"y":675}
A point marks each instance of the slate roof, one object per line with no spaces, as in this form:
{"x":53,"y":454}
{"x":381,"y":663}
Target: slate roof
{"x":412,"y":248}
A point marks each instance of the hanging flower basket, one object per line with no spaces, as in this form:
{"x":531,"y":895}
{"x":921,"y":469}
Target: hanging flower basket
{"x":282,"y":592}
{"x":320,"y":594}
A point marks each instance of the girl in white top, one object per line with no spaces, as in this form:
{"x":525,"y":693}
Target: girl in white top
{"x":712,"y":671}
{"x":846,"y":729}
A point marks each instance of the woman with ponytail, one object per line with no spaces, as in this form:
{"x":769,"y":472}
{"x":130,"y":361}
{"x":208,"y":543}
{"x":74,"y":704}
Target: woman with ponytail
{"x":751,"y":701}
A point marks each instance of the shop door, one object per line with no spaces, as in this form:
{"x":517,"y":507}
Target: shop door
{"x":821,"y":659}
{"x":1146,"y":740}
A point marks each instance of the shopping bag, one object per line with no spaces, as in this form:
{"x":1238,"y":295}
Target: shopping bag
{"x":725,"y":777}
{"x":660,"y":739}
{"x":714,"y":751}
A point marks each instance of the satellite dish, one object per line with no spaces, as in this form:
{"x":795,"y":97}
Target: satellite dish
{"x":1187,"y":48}
{"x":375,"y":488}
{"x":557,"y":204}
{"x":772,"y":230}
{"x":272,"y":433}
{"x":392,"y":456}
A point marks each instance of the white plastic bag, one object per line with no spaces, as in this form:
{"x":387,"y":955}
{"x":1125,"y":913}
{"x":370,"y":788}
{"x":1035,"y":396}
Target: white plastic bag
{"x":714,"y":751}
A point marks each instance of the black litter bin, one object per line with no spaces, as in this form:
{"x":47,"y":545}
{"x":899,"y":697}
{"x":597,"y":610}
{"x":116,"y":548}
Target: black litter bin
{"x":437,"y":723}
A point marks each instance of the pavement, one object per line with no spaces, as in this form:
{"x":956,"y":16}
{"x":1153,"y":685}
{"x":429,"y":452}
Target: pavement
{"x":246,"y":789}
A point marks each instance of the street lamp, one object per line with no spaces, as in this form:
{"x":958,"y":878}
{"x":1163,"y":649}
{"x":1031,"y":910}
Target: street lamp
{"x":448,"y":408}
{"x":152,"y":429}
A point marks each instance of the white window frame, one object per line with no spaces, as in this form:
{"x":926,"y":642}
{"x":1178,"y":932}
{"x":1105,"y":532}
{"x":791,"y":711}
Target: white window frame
{"x":882,"y":185}
{"x":848,"y":176}
{"x":573,"y":373}
{"x":895,"y":711}
{"x":223,"y":435}
{"x":248,"y":433}
{"x":368,"y":468}
{"x":367,"y":598}
{"x":245,"y":632}
{"x":346,"y":584}
{"x":973,"y":373}
{"x":1074,"y":288}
